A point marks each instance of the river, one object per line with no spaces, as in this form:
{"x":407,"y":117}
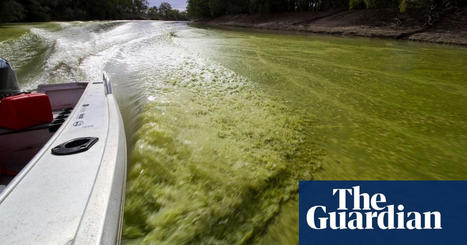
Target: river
{"x":221,"y":124}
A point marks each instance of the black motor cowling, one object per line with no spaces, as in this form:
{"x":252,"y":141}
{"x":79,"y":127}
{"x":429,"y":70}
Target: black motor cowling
{"x":8,"y":81}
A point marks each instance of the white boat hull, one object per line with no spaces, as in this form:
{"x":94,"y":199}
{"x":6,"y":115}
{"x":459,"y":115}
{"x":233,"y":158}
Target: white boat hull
{"x":72,"y":199}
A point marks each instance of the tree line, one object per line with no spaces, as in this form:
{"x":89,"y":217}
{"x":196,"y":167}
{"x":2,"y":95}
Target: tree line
{"x":47,"y":10}
{"x":213,"y":8}
{"x":166,"y":12}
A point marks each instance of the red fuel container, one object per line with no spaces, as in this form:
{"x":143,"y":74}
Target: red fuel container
{"x":25,"y":110}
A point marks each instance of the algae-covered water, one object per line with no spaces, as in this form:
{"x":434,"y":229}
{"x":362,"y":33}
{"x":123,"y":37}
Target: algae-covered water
{"x":222,"y":124}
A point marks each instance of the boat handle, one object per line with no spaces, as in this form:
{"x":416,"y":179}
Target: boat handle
{"x":74,"y":146}
{"x":108,"y":85}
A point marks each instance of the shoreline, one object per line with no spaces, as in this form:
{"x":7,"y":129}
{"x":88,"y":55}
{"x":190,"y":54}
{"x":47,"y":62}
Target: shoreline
{"x":373,"y":23}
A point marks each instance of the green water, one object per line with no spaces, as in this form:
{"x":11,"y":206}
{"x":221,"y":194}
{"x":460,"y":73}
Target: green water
{"x":379,"y":109}
{"x":222,"y":124}
{"x":223,"y":155}
{"x":14,"y":31}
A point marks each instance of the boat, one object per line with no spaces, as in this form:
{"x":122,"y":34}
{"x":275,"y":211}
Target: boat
{"x":63,"y":163}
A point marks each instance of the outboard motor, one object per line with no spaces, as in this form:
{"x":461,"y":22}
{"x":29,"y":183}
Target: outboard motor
{"x":8,"y":81}
{"x":20,"y":110}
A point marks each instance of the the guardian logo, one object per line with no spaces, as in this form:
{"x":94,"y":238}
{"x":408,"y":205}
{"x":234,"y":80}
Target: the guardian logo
{"x":382,"y":212}
{"x":369,"y":212}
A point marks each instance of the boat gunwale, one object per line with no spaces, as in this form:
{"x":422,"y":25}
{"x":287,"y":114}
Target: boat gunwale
{"x":22,"y":174}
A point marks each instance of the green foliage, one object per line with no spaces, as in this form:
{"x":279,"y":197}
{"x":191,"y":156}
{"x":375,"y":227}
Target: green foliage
{"x":371,"y":4}
{"x":403,"y":6}
{"x":10,"y":10}
{"x":165,"y":12}
{"x":414,"y":4}
{"x":217,"y":7}
{"x":212,"y":8}
{"x":199,"y":9}
{"x":356,"y":4}
{"x":45,"y":10}
{"x":164,"y":9}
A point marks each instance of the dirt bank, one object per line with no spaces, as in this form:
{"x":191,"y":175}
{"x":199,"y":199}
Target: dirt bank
{"x":387,"y":23}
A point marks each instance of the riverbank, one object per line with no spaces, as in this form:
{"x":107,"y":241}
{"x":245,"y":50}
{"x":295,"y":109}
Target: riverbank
{"x":384,"y":23}
{"x":223,"y":124}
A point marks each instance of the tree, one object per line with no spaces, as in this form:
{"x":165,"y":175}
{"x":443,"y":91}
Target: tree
{"x":212,"y":8}
{"x":45,"y":10}
{"x":10,"y":11}
{"x":153,"y":13}
{"x":198,"y":9}
{"x":164,"y":10}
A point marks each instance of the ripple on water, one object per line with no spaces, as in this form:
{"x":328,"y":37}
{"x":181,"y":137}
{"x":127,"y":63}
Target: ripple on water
{"x":214,"y":160}
{"x":217,"y":156}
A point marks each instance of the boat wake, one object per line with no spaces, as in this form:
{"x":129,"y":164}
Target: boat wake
{"x":214,"y":157}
